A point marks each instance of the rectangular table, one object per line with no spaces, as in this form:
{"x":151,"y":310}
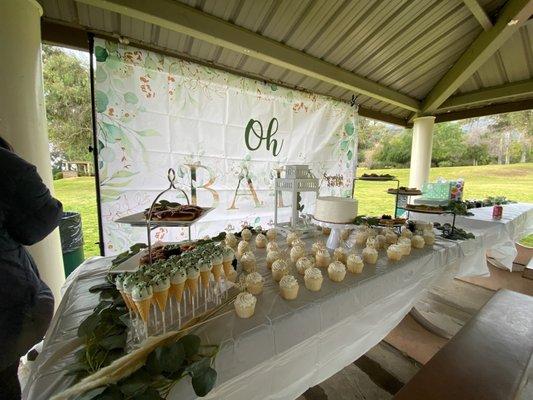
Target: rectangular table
{"x":287,"y":346}
{"x":498,"y":237}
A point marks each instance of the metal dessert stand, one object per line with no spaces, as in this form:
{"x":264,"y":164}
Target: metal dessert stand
{"x":140,"y":220}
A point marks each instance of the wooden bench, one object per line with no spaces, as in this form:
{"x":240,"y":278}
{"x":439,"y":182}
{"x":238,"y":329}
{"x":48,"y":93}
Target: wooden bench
{"x":487,"y":359}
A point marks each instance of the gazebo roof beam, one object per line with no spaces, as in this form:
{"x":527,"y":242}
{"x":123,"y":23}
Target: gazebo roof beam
{"x":514,"y":13}
{"x":181,"y":18}
{"x":478,"y":12}
{"x":487,"y":95}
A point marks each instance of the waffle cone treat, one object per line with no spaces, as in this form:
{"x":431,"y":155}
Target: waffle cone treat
{"x":227,"y":258}
{"x":178,"y":277}
{"x":217,"y":272}
{"x":142,"y":295}
{"x":176,"y":291}
{"x":204,"y":265}
{"x":242,"y":248}
{"x":192,"y":279}
{"x":217,"y":263}
{"x":231,"y":240}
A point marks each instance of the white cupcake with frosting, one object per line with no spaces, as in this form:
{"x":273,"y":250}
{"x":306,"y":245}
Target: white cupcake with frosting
{"x":246,"y":234}
{"x":280,"y":268}
{"x":313,"y":279}
{"x":272,"y":234}
{"x":260,"y":241}
{"x":339,"y":254}
{"x":291,"y":237}
{"x":405,"y":245}
{"x":254,"y":283}
{"x":288,"y":287}
{"x":354,"y":264}
{"x":271,"y":257}
{"x":303,"y":264}
{"x":336,"y":271}
{"x":429,"y":237}
{"x":245,"y":305}
{"x":272,"y":246}
{"x":418,"y":242}
{"x":297,"y":252}
{"x":317,"y":246}
{"x":322,"y":258}
{"x":248,"y":261}
{"x":231,"y":240}
{"x":242,"y":248}
{"x":299,"y":242}
{"x":394,"y":252}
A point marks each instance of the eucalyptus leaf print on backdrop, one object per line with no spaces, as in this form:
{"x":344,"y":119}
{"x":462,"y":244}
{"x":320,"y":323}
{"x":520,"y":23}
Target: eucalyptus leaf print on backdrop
{"x":155,"y":112}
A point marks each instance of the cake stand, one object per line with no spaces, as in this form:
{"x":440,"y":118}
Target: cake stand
{"x":334,"y":239}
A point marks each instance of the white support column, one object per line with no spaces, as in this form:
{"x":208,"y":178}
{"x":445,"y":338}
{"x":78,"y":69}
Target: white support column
{"x":421,"y":151}
{"x":23,"y":115}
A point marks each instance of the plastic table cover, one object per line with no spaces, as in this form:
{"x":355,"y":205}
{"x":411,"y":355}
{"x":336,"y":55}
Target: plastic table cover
{"x":287,"y":346}
{"x":498,"y":237}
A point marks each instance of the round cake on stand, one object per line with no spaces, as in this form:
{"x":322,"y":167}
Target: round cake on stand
{"x":336,"y":213}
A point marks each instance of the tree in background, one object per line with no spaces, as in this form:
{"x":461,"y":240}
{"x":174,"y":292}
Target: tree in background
{"x":448,"y":144}
{"x":68,"y":104}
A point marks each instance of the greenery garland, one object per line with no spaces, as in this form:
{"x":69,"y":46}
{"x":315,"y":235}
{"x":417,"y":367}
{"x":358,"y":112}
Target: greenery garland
{"x":104,"y":333}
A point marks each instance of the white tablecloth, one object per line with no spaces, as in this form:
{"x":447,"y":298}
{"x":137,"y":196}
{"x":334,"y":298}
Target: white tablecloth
{"x":498,"y":238}
{"x":287,"y":346}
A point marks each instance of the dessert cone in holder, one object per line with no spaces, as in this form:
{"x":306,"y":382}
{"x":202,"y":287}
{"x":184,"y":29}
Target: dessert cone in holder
{"x":161,"y":298}
{"x":176,"y":291}
{"x":204,"y":278}
{"x":143,"y":307}
{"x":227,"y":268}
{"x":192,"y":285}
{"x":217,"y":271}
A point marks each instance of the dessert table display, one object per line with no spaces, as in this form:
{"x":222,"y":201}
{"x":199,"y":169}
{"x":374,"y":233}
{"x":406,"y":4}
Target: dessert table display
{"x":279,"y":338}
{"x":497,"y":237}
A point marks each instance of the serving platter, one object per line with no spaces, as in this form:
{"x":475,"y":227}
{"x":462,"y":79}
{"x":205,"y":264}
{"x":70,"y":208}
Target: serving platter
{"x":139,"y":219}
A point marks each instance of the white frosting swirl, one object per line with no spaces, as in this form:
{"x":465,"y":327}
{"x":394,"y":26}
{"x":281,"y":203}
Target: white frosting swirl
{"x":313,"y":273}
{"x":288,"y":282}
{"x":245,"y":299}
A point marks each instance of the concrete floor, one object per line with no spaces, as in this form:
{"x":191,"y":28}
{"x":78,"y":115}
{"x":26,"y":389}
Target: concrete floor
{"x":382,"y":371}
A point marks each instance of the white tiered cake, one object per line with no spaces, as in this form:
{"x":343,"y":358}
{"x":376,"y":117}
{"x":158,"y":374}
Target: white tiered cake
{"x":337,"y":210}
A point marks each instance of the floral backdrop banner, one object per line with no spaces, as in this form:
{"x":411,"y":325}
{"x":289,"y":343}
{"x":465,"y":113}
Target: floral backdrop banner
{"x":226,"y":136}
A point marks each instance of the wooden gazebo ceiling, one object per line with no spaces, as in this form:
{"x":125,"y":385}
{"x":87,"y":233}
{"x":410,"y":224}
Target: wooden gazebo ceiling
{"x":401,"y":58}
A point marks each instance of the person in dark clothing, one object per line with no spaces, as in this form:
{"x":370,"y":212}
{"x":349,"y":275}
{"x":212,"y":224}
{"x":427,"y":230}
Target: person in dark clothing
{"x":28,"y":213}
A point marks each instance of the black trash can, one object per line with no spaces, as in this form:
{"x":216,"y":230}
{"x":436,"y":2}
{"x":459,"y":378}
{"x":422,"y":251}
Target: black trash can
{"x":71,"y":235}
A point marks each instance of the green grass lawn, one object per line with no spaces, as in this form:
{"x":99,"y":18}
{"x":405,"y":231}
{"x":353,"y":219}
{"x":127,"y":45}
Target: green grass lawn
{"x":513,"y":181}
{"x":78,"y":194}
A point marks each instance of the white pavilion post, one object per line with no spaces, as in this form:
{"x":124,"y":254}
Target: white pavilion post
{"x":421,"y":151}
{"x":23,"y":116}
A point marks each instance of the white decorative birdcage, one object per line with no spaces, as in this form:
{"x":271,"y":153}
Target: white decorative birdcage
{"x":298,"y":179}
